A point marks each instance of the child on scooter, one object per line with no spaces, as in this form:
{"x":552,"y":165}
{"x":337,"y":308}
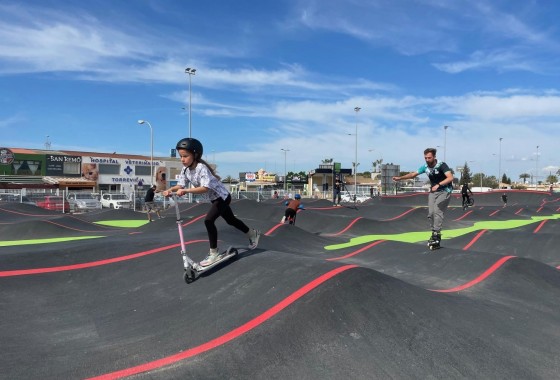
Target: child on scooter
{"x":206,"y":183}
{"x":291,"y":210}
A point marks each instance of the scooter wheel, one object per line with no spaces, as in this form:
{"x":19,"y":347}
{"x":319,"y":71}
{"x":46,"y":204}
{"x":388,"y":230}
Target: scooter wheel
{"x":188,"y":276}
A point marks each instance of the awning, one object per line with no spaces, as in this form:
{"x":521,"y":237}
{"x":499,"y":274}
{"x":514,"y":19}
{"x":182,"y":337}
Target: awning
{"x":70,"y":181}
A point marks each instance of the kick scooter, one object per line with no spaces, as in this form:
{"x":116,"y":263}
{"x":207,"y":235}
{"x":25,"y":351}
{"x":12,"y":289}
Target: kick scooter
{"x":193,"y":269}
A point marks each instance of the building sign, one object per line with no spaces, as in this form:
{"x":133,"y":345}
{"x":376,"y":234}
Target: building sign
{"x":55,"y":163}
{"x":6,"y":156}
{"x":298,"y":179}
{"x":260,"y":177}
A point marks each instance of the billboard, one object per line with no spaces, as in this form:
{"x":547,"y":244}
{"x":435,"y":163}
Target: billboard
{"x":6,"y":156}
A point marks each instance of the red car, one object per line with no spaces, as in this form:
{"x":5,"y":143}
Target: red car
{"x":55,"y":203}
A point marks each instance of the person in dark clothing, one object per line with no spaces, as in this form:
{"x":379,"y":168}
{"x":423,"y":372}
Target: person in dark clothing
{"x":504,"y":199}
{"x":149,"y":203}
{"x":465,"y":193}
{"x":337,"y":195}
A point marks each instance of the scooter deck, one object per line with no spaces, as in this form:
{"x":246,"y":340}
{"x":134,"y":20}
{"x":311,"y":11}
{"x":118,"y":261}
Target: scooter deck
{"x":224,"y":256}
{"x":196,"y":270}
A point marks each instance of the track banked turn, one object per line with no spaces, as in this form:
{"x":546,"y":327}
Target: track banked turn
{"x":307,"y":303}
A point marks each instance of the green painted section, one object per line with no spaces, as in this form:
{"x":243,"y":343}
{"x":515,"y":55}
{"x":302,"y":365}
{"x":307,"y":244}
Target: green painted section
{"x":123,"y":223}
{"x":422,"y":236}
{"x":11,"y":243}
{"x":111,"y":223}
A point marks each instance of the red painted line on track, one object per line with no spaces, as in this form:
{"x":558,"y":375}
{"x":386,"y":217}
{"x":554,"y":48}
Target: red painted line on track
{"x":323,"y":208}
{"x":23,"y":272}
{"x":26,"y":214}
{"x":540,"y":226}
{"x":478,"y":235}
{"x":57,"y":216}
{"x":539,"y":209}
{"x":401,"y":215}
{"x":357,"y":251}
{"x":347,"y":227}
{"x":70,"y":228}
{"x":229,"y":336}
{"x":267,"y":233}
{"x":494,"y":213}
{"x":462,"y":216}
{"x":194,"y":220}
{"x":518,"y":211}
{"x":478,"y":279}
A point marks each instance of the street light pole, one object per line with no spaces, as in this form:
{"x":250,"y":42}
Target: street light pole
{"x":285,"y":172}
{"x":500,"y":164}
{"x":191,"y":72}
{"x":445,"y":143}
{"x":537,"y":169}
{"x":356,"y":109}
{"x":152,"y":150}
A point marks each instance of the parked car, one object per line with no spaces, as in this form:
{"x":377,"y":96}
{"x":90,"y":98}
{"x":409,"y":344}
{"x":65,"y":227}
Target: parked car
{"x":347,"y":197}
{"x":83,"y":201}
{"x":12,"y":197}
{"x":55,"y":203}
{"x":115,"y":201}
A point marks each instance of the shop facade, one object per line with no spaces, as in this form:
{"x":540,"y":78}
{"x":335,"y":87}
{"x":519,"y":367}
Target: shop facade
{"x":103,"y":172}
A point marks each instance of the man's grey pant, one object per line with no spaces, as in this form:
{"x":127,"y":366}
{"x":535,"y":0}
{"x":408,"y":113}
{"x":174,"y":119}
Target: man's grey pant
{"x":437,"y":204}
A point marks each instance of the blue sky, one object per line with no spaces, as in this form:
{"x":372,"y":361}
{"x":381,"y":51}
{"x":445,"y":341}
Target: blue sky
{"x":288,"y":74}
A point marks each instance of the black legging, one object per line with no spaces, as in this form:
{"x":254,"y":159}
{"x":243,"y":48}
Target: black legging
{"x":221,"y":208}
{"x":466,"y":199}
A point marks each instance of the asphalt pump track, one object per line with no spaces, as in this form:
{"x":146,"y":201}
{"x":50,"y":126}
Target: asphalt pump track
{"x":347,"y":292}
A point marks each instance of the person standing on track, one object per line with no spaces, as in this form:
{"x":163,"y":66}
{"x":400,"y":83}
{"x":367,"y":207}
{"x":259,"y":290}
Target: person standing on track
{"x":441,"y":179}
{"x":206,"y":183}
{"x":149,"y":202}
{"x":337,"y":192}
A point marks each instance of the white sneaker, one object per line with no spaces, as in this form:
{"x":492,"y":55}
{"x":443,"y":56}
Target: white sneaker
{"x":211,"y":258}
{"x":283,"y":219}
{"x":254,"y":239}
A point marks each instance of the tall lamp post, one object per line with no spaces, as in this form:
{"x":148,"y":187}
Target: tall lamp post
{"x":285,"y":172}
{"x":190,"y":71}
{"x":152,"y":149}
{"x":356,"y":109}
{"x":537,"y":169}
{"x":500,"y":164}
{"x":445,"y":143}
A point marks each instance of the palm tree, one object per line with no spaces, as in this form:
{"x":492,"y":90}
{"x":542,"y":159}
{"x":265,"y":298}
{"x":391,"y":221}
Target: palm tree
{"x":375,"y":163}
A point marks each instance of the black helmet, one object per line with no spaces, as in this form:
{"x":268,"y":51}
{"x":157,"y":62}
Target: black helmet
{"x":192,"y":145}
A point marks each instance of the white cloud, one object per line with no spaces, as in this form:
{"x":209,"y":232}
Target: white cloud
{"x":398,"y":130}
